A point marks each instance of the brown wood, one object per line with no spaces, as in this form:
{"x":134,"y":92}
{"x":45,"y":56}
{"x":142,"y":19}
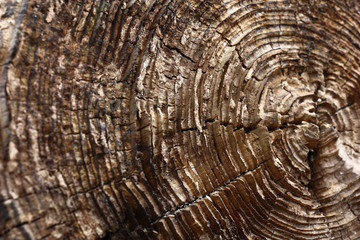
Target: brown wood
{"x":180,"y":119}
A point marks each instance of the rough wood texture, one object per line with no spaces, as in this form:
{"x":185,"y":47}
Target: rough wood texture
{"x":180,"y":119}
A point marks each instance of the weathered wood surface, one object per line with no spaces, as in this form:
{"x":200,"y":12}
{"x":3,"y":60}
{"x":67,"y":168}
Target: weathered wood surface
{"x":180,"y":119}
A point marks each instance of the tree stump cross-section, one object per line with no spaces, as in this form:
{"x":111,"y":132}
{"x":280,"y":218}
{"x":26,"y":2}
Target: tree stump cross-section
{"x":181,"y":119}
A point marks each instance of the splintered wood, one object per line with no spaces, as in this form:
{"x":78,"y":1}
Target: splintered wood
{"x":181,"y":119}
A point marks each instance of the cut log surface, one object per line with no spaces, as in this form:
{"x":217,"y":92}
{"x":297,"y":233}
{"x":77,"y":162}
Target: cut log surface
{"x":180,"y":119}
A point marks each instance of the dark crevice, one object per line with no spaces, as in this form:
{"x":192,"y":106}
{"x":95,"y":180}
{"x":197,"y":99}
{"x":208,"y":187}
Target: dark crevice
{"x":274,"y":128}
{"x":225,"y":124}
{"x":188,"y":129}
{"x":106,"y":237}
{"x":180,"y":52}
{"x":196,"y":199}
{"x":310,"y":158}
{"x":346,"y":106}
{"x":288,"y":124}
{"x":209,"y":120}
{"x":246,"y":129}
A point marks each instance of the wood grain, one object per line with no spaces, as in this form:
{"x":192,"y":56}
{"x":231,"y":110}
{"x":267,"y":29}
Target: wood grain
{"x":179,"y":119}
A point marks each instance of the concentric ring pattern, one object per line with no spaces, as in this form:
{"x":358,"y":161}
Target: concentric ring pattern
{"x":182,"y":120}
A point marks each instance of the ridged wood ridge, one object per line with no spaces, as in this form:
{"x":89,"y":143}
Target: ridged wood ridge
{"x":180,"y":119}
